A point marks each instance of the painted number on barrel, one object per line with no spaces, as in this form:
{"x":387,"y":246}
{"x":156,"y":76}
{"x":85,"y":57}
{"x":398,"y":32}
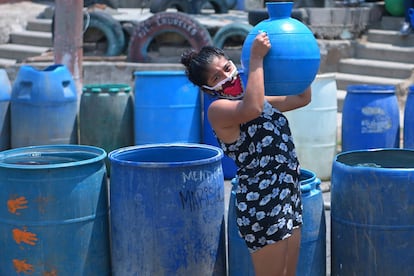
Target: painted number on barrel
{"x":376,"y":120}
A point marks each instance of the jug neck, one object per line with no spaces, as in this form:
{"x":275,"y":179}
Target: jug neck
{"x":278,"y":10}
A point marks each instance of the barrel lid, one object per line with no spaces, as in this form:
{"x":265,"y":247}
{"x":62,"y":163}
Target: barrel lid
{"x":106,"y":88}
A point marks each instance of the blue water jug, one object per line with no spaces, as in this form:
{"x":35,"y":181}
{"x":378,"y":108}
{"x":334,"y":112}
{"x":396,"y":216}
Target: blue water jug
{"x":294,"y":49}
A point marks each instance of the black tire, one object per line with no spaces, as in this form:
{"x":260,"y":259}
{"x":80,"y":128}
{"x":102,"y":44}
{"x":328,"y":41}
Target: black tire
{"x":231,"y":4}
{"x":162,"y":5}
{"x":103,"y":28}
{"x":193,"y":32}
{"x":227,"y":31}
{"x":256,"y":16}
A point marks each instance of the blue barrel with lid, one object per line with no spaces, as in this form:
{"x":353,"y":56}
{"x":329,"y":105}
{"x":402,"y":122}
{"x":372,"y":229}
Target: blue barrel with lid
{"x":5,"y":94}
{"x":44,"y":107}
{"x":167,"y":108}
{"x":54,"y":211}
{"x":370,"y":118}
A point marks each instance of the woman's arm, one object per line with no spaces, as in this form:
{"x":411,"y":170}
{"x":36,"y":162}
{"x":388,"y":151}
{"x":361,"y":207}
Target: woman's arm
{"x":225,"y":116}
{"x":290,"y":102}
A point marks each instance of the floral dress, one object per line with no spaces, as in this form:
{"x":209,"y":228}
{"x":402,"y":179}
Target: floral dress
{"x":268,"y":198}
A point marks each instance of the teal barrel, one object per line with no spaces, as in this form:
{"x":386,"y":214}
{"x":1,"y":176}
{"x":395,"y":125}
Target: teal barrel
{"x":372,"y":214}
{"x":167,"y":210}
{"x":106,"y":116}
{"x":5,"y":94}
{"x":167,"y":108}
{"x":408,"y":131}
{"x":44,"y":107}
{"x":370,"y":117}
{"x":54,"y":211}
{"x":312,"y":254}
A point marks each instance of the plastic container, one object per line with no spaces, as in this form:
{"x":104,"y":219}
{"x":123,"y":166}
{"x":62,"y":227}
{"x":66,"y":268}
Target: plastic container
{"x":5,"y":94}
{"x":167,"y":210}
{"x":294,"y":49}
{"x":370,"y":118}
{"x":44,"y":107}
{"x":54,"y":214}
{"x":372,"y":219}
{"x":167,"y":108}
{"x":316,"y":147}
{"x":408,"y":137}
{"x":312,"y":254}
{"x":106,"y":116}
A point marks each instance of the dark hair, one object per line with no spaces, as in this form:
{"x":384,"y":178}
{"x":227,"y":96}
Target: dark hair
{"x":197,"y":63}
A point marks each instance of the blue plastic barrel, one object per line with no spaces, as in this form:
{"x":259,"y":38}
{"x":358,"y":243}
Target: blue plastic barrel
{"x":167,"y":210}
{"x":370,"y":118}
{"x":167,"y":108}
{"x":5,"y":91}
{"x":372,"y":214}
{"x":54,"y":211}
{"x":44,"y":107}
{"x":408,"y":137}
{"x":312,"y":255}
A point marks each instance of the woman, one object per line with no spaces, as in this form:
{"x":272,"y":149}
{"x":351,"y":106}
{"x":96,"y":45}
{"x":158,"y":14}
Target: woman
{"x":252,"y":130}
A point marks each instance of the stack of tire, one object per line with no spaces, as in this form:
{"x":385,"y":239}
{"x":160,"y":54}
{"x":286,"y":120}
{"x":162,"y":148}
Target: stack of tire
{"x":192,"y":7}
{"x":101,"y":28}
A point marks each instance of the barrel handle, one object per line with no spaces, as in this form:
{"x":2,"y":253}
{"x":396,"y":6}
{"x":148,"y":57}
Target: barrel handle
{"x":65,"y":83}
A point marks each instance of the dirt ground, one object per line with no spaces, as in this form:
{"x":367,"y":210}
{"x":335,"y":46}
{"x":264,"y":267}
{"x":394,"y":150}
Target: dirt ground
{"x":14,"y":17}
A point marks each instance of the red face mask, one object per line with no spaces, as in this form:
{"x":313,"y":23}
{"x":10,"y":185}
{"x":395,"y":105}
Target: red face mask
{"x":230,"y":88}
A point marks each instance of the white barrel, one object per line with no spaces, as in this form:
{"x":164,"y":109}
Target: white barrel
{"x":314,"y":127}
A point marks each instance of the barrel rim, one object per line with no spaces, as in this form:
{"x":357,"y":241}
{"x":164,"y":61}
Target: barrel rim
{"x":116,"y":153}
{"x":339,"y":163}
{"x":160,"y":72}
{"x":99,"y":154}
{"x":370,"y":88}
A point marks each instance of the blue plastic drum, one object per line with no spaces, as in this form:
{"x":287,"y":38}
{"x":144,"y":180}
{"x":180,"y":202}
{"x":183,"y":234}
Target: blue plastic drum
{"x":408,"y":137}
{"x":370,"y":118}
{"x":54,"y":211}
{"x":44,"y":107}
{"x":372,"y":214}
{"x":167,"y":108}
{"x":167,"y":210}
{"x":5,"y":94}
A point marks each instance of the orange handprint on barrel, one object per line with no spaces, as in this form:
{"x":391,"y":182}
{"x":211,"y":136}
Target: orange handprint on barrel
{"x":24,"y":236}
{"x":22,"y":266}
{"x":17,"y":204}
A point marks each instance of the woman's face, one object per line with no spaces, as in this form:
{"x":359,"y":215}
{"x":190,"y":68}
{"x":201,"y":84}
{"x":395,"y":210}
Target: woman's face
{"x":220,"y":69}
{"x":223,"y":79}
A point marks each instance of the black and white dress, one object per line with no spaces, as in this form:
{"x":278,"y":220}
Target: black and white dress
{"x":268,"y":199}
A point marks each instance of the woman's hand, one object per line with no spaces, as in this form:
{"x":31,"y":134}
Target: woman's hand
{"x":260,"y":46}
